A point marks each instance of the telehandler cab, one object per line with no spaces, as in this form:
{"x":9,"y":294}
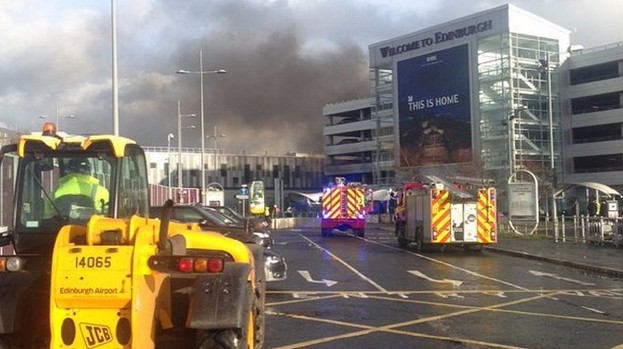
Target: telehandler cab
{"x":90,"y":269}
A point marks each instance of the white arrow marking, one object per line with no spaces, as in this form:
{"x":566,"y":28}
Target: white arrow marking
{"x":305,"y":274}
{"x":455,"y":283}
{"x":555,"y":276}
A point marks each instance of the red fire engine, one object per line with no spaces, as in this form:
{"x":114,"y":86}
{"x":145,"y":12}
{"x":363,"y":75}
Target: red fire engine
{"x":343,"y":208}
{"x":442,"y":214}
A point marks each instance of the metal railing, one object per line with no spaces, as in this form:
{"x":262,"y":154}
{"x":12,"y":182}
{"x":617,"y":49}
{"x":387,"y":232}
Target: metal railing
{"x":584,"y":229}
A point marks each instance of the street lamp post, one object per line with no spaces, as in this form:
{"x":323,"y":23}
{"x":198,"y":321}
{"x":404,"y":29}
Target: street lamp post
{"x":215,"y":137}
{"x":169,"y":137}
{"x":552,"y":163}
{"x":115,"y":84}
{"x":179,"y":144}
{"x":58,"y":119}
{"x":201,"y":72}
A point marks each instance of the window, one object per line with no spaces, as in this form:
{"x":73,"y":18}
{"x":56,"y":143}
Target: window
{"x":595,"y":103}
{"x":600,"y":163}
{"x":61,"y":189}
{"x":594,"y":73}
{"x":275,"y":171}
{"x":599,"y":133}
{"x":133,"y":189}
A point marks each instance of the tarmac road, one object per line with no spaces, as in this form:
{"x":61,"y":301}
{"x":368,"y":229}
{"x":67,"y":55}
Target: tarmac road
{"x":347,"y":292}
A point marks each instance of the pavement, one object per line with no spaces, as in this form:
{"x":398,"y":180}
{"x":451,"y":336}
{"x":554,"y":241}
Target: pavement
{"x":599,"y":259}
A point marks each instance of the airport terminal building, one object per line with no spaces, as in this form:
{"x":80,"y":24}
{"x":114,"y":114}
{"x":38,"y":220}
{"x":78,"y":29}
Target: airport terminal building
{"x":479,"y":98}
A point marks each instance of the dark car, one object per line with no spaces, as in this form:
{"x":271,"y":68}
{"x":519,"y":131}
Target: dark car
{"x":258,"y":227}
{"x":257,"y":224}
{"x":275,"y":266}
{"x":208,"y":220}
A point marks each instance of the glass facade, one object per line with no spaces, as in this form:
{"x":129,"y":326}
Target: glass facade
{"x":518,"y":105}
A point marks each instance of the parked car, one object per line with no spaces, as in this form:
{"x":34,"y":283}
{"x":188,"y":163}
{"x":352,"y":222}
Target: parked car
{"x":275,"y":265}
{"x":260,"y":231}
{"x":256,"y":223}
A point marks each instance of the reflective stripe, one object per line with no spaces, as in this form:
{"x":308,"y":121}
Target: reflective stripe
{"x":440,"y":214}
{"x":487,"y":214}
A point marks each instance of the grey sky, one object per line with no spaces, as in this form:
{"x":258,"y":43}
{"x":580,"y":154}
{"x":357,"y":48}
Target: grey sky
{"x":285,"y":60}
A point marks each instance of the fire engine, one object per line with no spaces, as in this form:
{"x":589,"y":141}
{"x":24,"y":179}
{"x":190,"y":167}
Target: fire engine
{"x":343,"y":208}
{"x":441,"y":214}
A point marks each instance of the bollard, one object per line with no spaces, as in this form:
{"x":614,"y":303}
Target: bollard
{"x":583,"y":225}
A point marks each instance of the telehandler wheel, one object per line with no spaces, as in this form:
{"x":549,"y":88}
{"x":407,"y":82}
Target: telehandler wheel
{"x":223,"y":339}
{"x":259,"y":320}
{"x":233,"y":338}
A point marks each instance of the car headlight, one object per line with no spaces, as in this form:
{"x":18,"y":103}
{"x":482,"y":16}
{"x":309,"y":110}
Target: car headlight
{"x":273,"y":259}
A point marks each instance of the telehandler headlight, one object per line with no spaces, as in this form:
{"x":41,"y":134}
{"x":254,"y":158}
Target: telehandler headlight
{"x":11,"y":264}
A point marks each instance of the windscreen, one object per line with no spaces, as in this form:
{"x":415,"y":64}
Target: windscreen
{"x":58,"y":189}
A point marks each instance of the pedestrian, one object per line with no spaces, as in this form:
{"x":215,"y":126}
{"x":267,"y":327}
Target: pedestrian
{"x":592,"y":207}
{"x":267,"y":213}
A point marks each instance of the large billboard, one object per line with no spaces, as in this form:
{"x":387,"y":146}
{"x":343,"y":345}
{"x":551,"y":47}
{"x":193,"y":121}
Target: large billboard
{"x":434,"y":122}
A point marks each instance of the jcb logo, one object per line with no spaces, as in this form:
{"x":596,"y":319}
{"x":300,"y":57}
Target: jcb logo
{"x":95,"y":335}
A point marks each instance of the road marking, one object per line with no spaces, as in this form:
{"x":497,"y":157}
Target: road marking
{"x":307,"y":276}
{"x":450,"y":265}
{"x":606,"y":294}
{"x":367,"y":279}
{"x":363,"y":330}
{"x":594,"y":310}
{"x":354,"y":295}
{"x":448,"y":295}
{"x":556,"y":276}
{"x":297,"y":295}
{"x":455,"y":283}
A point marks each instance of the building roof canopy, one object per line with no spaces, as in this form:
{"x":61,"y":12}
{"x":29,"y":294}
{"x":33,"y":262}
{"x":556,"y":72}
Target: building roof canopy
{"x":602,"y":188}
